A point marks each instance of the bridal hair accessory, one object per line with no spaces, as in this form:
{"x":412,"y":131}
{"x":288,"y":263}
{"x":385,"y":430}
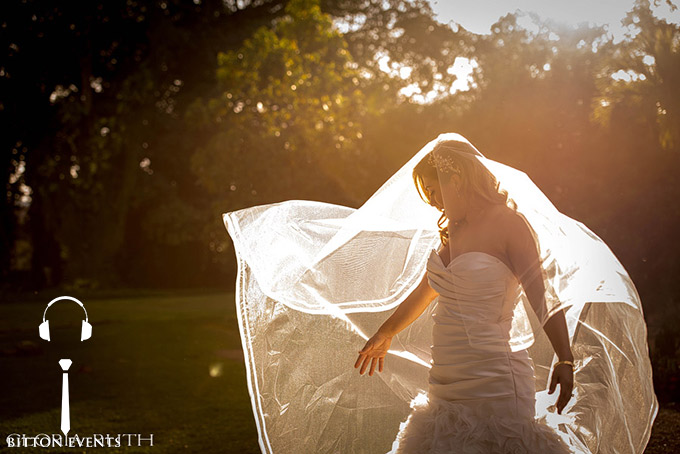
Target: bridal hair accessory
{"x":443,"y":163}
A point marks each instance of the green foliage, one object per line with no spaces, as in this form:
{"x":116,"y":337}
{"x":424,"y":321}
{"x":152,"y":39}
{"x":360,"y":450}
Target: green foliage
{"x":652,"y":60}
{"x":204,"y":109}
{"x":288,"y":99}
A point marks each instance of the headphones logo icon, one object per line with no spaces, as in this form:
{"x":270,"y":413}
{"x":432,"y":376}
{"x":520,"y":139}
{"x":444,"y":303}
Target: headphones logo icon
{"x":44,"y":328}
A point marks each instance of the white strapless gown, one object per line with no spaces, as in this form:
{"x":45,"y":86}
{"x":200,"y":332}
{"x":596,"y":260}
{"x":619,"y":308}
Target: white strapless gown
{"x":479,"y":400}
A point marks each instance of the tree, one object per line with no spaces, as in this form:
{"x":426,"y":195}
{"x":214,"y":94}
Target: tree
{"x":288,"y":105}
{"x":77,"y":135}
{"x":648,"y":68}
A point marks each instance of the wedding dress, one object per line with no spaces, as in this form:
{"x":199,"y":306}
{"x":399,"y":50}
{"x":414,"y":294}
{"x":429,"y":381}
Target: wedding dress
{"x":478,"y":401}
{"x":315,"y":280}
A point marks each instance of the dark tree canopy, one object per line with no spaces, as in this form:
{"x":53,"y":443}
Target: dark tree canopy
{"x":130,"y":126}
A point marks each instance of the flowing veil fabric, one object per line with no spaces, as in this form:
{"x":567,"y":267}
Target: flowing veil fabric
{"x":315,"y":280}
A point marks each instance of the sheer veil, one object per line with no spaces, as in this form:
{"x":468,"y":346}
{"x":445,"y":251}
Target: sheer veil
{"x":315,"y":280}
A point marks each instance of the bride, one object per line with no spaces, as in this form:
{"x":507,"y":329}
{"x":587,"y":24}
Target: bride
{"x":472,"y":307}
{"x":484,"y":400}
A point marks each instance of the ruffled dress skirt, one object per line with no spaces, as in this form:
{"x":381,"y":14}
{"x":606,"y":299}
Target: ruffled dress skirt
{"x":439,"y":426}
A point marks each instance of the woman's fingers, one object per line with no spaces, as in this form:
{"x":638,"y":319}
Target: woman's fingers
{"x":566,"y":387}
{"x":565,"y":396}
{"x":373,"y":354}
{"x":553,"y":383}
{"x":373,"y":362}
{"x":367,"y":358}
{"x":368,"y":346}
{"x":362,"y":360}
{"x":367,"y":361}
{"x":562,"y":401}
{"x":361,"y":356}
{"x":364,"y":365}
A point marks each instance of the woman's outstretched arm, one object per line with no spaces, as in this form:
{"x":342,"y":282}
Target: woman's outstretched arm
{"x":524,"y":257}
{"x":409,"y":310}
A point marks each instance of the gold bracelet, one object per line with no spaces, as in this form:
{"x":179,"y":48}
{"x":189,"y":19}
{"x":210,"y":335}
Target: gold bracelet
{"x":564,"y":362}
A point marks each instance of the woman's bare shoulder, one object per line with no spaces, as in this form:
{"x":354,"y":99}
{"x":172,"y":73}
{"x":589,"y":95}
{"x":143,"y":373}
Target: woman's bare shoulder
{"x":507,"y":217}
{"x":498,"y":216}
{"x":513,"y":225}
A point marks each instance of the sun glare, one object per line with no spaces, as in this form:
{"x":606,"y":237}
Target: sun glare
{"x":479,"y":16}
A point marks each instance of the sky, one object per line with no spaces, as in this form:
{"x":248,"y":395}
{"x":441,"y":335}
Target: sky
{"x":478,"y":16}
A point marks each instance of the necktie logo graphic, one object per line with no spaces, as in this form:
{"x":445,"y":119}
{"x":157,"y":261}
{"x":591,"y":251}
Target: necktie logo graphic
{"x":97,"y":440}
{"x":85,"y":333}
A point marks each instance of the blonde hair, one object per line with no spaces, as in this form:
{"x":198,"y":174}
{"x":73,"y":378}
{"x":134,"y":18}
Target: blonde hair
{"x":452,"y":156}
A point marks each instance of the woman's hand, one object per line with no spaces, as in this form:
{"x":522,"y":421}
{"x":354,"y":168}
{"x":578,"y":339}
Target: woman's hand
{"x":374,"y":352}
{"x":564,"y":375}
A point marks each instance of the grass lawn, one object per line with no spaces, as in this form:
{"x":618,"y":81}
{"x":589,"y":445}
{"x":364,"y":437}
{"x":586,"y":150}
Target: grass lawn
{"x":167,"y":365}
{"x":163,"y":364}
